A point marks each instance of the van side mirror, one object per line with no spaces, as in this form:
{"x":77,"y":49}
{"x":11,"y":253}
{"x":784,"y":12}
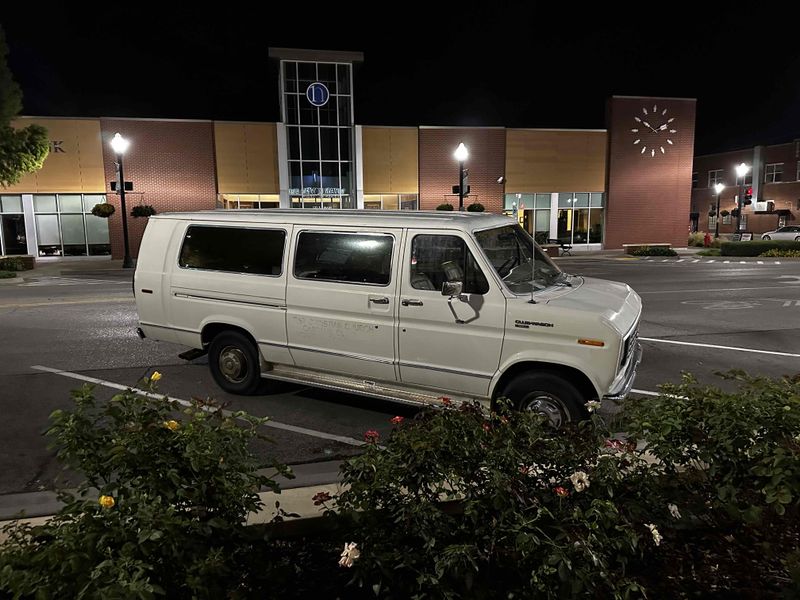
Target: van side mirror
{"x":452,"y":289}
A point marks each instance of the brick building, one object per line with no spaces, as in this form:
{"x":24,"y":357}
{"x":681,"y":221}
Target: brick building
{"x":773,"y":179}
{"x":600,"y":188}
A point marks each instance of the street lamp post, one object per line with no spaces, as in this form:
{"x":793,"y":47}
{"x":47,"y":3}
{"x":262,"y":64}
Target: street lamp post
{"x":461,"y":154}
{"x":741,"y":170}
{"x":120,"y":145}
{"x":718,"y":187}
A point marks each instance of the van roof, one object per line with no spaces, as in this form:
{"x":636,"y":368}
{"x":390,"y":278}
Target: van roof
{"x":306,"y":216}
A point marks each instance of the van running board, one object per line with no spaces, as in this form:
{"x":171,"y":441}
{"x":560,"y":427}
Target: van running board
{"x":193,"y":353}
{"x":354,"y":385}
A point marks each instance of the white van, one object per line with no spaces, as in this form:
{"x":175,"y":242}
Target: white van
{"x":417,"y":307}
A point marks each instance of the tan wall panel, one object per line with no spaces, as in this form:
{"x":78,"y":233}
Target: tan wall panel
{"x":247,"y":158}
{"x":76,"y":163}
{"x":555,"y":161}
{"x":391,"y":160}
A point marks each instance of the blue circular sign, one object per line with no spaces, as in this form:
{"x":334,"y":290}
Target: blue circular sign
{"x":318,"y":94}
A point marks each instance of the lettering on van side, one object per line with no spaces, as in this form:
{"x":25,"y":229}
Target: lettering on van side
{"x":528,"y":324}
{"x":331,"y":327}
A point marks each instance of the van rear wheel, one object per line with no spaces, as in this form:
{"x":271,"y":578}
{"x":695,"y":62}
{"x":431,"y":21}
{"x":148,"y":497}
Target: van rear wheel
{"x":234,"y":363}
{"x":546,"y":394}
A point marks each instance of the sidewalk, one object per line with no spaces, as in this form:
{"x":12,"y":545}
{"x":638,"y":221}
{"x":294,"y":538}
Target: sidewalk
{"x":83,"y":267}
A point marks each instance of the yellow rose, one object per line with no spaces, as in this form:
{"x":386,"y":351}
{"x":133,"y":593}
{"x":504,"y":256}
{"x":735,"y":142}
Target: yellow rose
{"x":171,"y":425}
{"x":106,"y":501}
{"x":155,"y":376}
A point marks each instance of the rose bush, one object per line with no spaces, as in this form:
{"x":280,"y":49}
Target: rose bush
{"x":161,"y":509}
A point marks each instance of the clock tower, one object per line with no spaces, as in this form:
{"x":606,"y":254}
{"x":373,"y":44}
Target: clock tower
{"x":649,"y":176}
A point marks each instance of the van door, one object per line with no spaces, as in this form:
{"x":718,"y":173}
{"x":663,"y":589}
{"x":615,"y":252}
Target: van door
{"x":231,"y":273}
{"x":341,"y":301}
{"x":448,"y":343}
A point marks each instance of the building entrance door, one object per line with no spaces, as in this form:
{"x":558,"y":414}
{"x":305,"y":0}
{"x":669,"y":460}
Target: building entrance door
{"x":12,"y":235}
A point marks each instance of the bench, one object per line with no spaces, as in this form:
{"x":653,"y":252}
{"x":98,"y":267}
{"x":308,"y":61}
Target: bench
{"x":550,"y":249}
{"x":629,"y":248}
{"x":565,"y":247}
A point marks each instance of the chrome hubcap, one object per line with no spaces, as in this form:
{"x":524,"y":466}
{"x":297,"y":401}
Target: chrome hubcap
{"x":547,"y":405}
{"x":233,"y":364}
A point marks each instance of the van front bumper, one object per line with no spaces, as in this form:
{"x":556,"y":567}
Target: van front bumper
{"x":624,"y":381}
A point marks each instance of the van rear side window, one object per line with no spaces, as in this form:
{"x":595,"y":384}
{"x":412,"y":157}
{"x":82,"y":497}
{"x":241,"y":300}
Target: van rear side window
{"x":351,"y":258}
{"x":233,"y":249}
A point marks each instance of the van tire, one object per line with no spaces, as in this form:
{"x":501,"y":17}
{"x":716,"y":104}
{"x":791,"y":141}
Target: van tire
{"x":233,"y":360}
{"x":546,"y":394}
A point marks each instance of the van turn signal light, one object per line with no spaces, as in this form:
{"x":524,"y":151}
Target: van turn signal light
{"x":586,"y":342}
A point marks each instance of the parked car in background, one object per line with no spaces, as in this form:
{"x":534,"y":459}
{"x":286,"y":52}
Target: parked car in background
{"x":790,"y":232}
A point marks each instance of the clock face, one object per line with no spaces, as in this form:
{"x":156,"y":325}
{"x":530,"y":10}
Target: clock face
{"x":654,"y":131}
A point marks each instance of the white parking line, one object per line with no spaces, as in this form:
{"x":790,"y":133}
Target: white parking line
{"x":753,"y":350}
{"x":274,"y":424}
{"x":648,"y":393}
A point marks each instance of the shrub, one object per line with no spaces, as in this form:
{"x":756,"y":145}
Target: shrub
{"x":460,"y":501}
{"x":7,"y":274}
{"x":104,"y":210}
{"x":709,"y":252}
{"x":696,"y":238}
{"x":142,"y":210}
{"x":654,"y":251}
{"x":475,"y":207}
{"x":776,"y":252}
{"x":161,"y":510}
{"x":12,"y":263}
{"x":756,"y":248}
{"x":445,"y":206}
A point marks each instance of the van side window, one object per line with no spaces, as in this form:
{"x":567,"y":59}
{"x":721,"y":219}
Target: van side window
{"x":233,"y":249}
{"x":352,"y":258}
{"x":436,"y":259}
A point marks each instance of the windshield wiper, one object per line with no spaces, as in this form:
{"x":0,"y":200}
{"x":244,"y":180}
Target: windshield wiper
{"x":561,"y":279}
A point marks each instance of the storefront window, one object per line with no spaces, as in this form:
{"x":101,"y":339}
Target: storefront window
{"x":66,"y":227}
{"x":595,"y":226}
{"x":391,"y":201}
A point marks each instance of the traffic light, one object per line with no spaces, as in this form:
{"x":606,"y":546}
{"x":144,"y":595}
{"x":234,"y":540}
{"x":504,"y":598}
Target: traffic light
{"x":748,"y":196}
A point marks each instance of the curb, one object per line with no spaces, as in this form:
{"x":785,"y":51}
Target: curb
{"x":295,"y":496}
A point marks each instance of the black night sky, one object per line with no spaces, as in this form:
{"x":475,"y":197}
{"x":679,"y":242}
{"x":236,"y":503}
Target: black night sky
{"x":492,"y":63}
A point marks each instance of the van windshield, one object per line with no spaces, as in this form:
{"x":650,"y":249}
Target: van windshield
{"x":510,"y":250}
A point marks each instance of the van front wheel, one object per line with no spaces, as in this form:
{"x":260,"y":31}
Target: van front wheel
{"x":234,"y":363}
{"x":546,"y":394}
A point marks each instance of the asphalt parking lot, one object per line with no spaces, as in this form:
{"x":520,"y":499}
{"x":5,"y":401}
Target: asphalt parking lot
{"x":63,"y":330}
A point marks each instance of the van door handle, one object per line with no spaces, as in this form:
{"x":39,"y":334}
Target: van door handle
{"x":382,"y":300}
{"x":411,"y":302}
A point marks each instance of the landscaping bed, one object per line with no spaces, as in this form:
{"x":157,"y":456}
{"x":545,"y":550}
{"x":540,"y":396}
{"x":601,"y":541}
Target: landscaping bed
{"x":699,"y":499}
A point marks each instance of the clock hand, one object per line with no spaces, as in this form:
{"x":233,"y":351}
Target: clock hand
{"x":646,"y":124}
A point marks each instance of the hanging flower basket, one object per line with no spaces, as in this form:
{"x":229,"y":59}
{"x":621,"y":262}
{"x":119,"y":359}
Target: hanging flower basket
{"x":445,"y":206}
{"x":476,"y":207}
{"x":143,"y":210}
{"x":724,"y":213}
{"x":104,"y":210}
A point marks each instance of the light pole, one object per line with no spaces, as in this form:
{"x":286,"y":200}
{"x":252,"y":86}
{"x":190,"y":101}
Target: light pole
{"x":461,"y":154}
{"x":718,"y":187}
{"x":741,"y":170}
{"x":120,"y":145}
